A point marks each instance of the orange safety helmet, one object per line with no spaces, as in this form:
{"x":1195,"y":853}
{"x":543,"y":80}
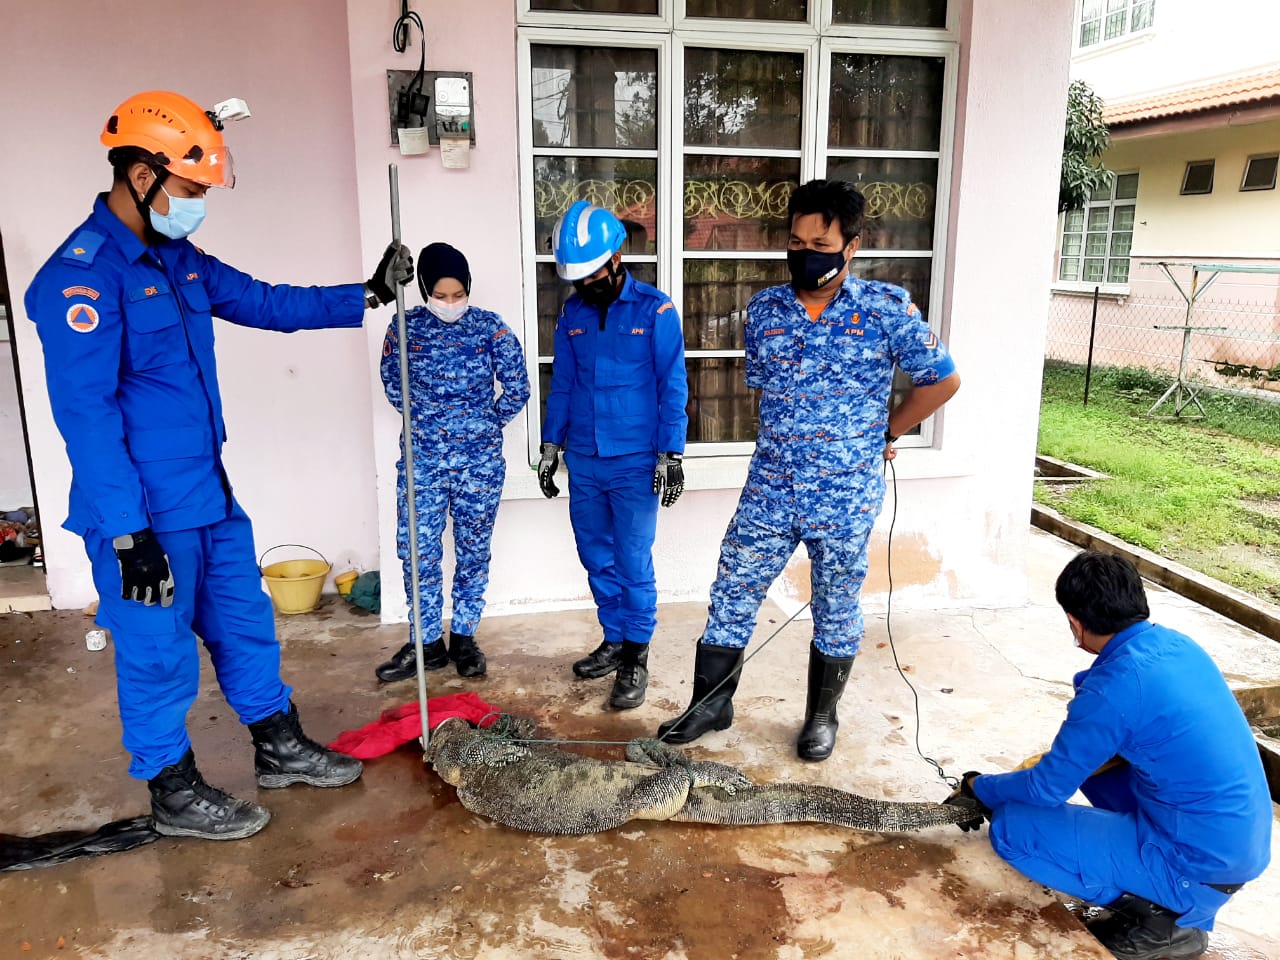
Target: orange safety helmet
{"x":181,"y":136}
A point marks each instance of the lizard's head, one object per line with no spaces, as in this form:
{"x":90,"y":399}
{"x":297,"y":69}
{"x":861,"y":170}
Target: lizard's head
{"x":448,"y":731}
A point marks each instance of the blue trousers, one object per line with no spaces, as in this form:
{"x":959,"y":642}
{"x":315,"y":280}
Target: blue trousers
{"x":218,"y":596}
{"x":1097,"y":853}
{"x":465,"y":484}
{"x":614,"y":513}
{"x":752,"y":556}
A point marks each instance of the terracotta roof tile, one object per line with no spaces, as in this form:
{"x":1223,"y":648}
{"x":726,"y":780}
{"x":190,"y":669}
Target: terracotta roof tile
{"x":1252,"y":87}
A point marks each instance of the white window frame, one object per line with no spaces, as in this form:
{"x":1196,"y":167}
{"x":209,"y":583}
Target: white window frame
{"x":944,"y":154}
{"x":817,"y":45}
{"x":1105,"y":288}
{"x":1249,"y":162}
{"x":659,"y":23}
{"x":1126,"y":36}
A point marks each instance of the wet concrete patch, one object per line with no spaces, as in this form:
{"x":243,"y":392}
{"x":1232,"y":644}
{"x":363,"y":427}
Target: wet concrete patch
{"x":393,"y":866}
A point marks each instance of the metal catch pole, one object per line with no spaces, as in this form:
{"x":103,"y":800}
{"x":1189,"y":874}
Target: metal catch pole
{"x":407,"y":452}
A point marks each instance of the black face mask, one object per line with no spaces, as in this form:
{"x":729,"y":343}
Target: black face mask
{"x":602,"y":292}
{"x":813,"y":269}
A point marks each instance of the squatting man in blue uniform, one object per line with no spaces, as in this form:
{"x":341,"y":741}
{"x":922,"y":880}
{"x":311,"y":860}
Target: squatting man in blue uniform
{"x":616,"y":409}
{"x":124,"y":309}
{"x":821,"y":351}
{"x":1181,"y":814}
{"x":456,"y":351}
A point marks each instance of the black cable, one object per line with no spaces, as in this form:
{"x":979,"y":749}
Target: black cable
{"x":952,"y":782}
{"x":400,"y":32}
{"x":400,"y":35}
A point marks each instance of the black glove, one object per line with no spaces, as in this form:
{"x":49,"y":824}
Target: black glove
{"x":963,"y":796}
{"x":547,"y":469}
{"x":144,"y":569}
{"x":668,"y":477}
{"x":396,"y":266}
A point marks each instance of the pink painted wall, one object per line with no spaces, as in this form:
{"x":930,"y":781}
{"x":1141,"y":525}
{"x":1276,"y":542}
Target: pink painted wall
{"x":299,"y":451}
{"x":313,"y":441}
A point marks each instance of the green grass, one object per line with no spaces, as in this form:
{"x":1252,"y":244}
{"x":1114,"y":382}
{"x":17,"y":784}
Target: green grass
{"x":1205,"y":493}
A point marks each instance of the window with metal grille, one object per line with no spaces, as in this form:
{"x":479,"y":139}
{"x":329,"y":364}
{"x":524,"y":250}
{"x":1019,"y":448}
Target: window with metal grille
{"x":694,"y":120}
{"x":1097,"y":240}
{"x":1103,"y":20}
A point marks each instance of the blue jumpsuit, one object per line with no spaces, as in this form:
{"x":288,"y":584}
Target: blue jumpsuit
{"x":128,"y":344}
{"x":817,"y":473}
{"x":457,"y":449}
{"x":1190,"y":808}
{"x":618,"y":395}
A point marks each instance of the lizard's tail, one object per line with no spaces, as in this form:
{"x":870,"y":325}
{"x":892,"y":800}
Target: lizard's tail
{"x":811,"y":803}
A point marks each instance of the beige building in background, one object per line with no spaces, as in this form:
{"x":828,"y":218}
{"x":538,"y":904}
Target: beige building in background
{"x":1193,"y":107}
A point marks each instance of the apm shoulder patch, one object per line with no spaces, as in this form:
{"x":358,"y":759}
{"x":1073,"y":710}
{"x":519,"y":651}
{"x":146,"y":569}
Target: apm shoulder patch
{"x":84,"y":246}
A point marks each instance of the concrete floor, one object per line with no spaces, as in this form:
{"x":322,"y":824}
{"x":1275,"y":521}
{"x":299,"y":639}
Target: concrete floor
{"x":393,"y":866}
{"x":22,"y":588}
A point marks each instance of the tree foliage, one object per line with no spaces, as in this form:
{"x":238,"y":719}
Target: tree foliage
{"x":1085,"y":141}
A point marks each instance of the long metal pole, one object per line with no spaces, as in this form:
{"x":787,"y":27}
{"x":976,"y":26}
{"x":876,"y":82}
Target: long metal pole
{"x":1093,"y":326}
{"x":406,"y":441}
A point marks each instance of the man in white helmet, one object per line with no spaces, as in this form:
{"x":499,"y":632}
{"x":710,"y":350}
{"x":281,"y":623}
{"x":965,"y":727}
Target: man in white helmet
{"x":616,"y":409}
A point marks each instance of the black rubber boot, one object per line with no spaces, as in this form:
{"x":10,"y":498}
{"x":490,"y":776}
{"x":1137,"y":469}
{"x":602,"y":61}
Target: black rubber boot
{"x":1141,"y":930}
{"x":466,"y":655}
{"x":632,"y":678}
{"x":711,"y":666}
{"x":183,"y":805}
{"x":600,"y":662}
{"x":827,"y":677}
{"x":286,"y":755}
{"x":404,"y":662}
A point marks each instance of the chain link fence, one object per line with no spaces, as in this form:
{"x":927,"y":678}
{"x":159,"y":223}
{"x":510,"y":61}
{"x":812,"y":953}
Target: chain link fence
{"x":1229,"y":341}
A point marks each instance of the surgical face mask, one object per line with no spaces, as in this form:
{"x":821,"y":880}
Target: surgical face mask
{"x":183,"y":219}
{"x":602,"y":292}
{"x":813,"y":269}
{"x":446,"y":311}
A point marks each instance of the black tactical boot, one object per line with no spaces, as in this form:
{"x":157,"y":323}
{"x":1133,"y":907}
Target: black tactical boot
{"x":1141,"y":930}
{"x":286,"y":755}
{"x":714,"y":668}
{"x":600,"y":662}
{"x":632,"y":678}
{"x":464,"y":652}
{"x":183,"y":805}
{"x":404,"y":662}
{"x":827,"y":677}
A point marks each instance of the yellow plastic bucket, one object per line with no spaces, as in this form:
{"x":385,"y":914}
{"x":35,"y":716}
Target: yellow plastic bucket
{"x":343,"y":582}
{"x":295,"y":585}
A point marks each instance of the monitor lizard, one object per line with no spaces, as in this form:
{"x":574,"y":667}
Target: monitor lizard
{"x":535,"y":786}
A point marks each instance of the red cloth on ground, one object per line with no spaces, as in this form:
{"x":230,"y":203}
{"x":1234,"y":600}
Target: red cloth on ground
{"x":399,"y":725}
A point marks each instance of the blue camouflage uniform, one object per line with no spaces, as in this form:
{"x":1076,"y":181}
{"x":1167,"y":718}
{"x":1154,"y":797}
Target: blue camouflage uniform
{"x":618,"y":395}
{"x":1190,"y":807}
{"x":127,"y":331}
{"x":457,"y":449}
{"x":817,"y":473}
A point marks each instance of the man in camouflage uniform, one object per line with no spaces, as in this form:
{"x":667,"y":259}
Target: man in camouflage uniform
{"x":455,"y":353}
{"x":822,"y":351}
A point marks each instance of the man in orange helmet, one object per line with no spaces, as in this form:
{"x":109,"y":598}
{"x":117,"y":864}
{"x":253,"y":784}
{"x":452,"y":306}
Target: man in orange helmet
{"x":125,"y":310}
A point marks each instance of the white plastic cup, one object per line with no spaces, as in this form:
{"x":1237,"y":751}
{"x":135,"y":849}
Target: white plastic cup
{"x":96,"y":640}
